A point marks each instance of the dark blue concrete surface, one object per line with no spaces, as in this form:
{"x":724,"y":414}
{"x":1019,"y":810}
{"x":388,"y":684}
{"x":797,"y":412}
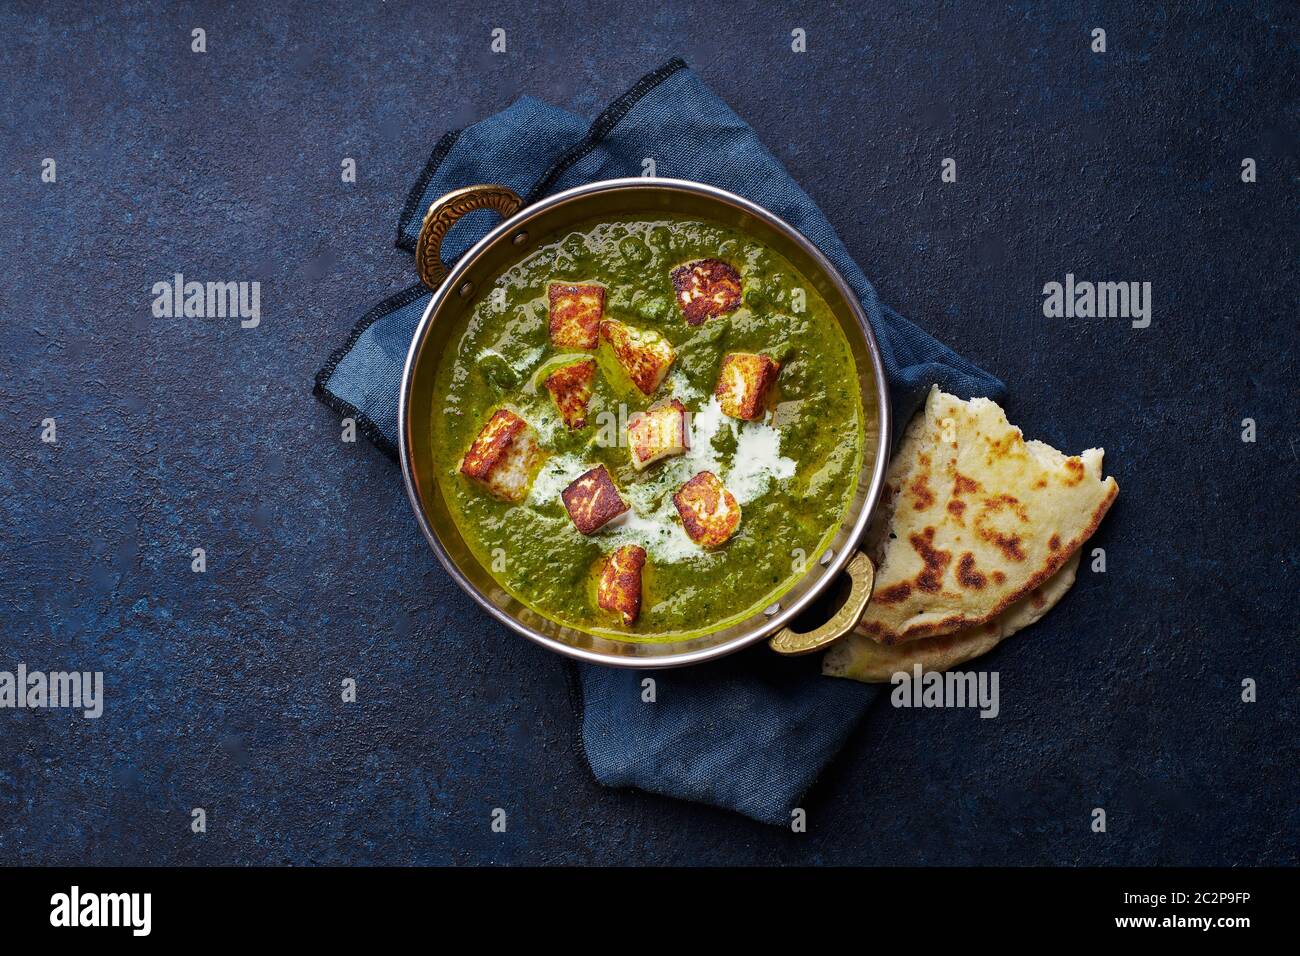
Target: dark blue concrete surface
{"x":223,"y":688}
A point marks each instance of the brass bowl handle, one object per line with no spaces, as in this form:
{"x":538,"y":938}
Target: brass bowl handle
{"x":863,"y":573}
{"x":445,"y":212}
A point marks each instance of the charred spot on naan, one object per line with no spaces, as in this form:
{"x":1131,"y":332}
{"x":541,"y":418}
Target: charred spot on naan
{"x":706,"y":288}
{"x":934,"y":562}
{"x":967,"y":576}
{"x":1009,"y":446}
{"x":922,"y":496}
{"x":893,"y":594}
{"x":989,"y":524}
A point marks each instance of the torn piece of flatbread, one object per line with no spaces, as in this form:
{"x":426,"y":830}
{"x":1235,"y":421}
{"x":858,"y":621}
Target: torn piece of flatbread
{"x":974,"y":519}
{"x":860,"y":658}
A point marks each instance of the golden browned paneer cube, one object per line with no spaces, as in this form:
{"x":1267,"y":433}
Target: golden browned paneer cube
{"x":743,"y":381}
{"x":658,"y":432}
{"x":570,"y":388}
{"x":705,"y":288}
{"x":644,"y":354}
{"x":576,"y":311}
{"x":503,"y":457}
{"x":620,"y":583}
{"x":710,"y":514}
{"x":592,"y":500}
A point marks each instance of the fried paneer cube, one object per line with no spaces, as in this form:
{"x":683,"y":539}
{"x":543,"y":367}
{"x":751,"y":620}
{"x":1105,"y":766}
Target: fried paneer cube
{"x":658,"y":432}
{"x":619,"y":589}
{"x":743,"y":381}
{"x":570,"y":387}
{"x":644,"y":354}
{"x":592,"y":500}
{"x":504,"y":456}
{"x":576,"y":311}
{"x":710,"y":514}
{"x":705,"y":288}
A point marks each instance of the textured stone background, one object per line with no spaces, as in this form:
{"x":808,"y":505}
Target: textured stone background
{"x":223,"y":687}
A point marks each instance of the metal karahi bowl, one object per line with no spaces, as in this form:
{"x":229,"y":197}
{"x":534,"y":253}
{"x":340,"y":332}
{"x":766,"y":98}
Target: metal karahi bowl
{"x":523,"y":230}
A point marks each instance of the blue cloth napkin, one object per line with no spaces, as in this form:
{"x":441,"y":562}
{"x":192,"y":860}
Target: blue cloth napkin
{"x":752,"y":732}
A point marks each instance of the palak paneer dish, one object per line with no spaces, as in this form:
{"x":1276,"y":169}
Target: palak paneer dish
{"x":648,"y":430}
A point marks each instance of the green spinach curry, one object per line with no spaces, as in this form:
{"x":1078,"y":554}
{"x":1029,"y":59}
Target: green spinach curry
{"x":649,"y":429}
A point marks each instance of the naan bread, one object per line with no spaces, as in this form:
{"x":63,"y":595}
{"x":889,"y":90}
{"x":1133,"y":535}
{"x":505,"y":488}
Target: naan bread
{"x":974,"y":519}
{"x":860,"y":658}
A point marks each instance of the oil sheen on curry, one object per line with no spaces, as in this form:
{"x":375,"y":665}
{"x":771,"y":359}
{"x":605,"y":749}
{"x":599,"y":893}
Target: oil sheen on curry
{"x":649,"y":429}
